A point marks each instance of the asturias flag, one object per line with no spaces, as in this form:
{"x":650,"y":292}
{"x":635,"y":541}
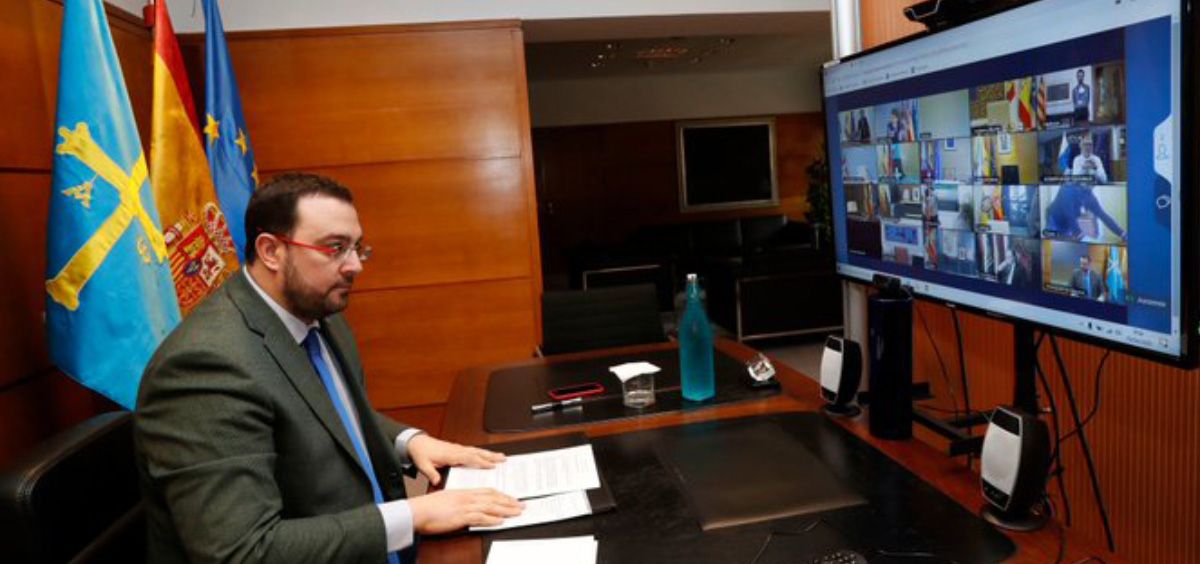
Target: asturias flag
{"x":109,"y":296}
{"x":229,"y":154}
{"x":201,"y":251}
{"x":1064,"y":155}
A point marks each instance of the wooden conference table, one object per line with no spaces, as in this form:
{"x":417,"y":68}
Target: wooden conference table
{"x":464,"y":424}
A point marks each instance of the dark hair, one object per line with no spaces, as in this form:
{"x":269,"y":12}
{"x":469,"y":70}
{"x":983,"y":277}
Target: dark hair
{"x":272,"y":207}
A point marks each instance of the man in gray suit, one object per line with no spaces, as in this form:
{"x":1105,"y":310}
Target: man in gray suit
{"x":255,"y":441}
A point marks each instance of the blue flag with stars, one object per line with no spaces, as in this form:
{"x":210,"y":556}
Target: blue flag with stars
{"x":110,"y":299}
{"x":226,"y":140}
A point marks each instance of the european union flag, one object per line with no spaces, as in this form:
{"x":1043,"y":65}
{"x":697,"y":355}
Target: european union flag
{"x":229,"y":154}
{"x":109,"y":296}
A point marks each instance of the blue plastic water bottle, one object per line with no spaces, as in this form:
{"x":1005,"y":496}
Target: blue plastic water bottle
{"x":695,"y":347}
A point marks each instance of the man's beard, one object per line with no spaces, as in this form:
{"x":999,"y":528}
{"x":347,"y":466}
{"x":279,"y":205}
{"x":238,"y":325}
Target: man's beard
{"x":308,"y":302}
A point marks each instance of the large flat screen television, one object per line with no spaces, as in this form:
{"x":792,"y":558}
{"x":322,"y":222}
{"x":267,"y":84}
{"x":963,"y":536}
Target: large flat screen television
{"x":1036,"y":164}
{"x":727,"y":163}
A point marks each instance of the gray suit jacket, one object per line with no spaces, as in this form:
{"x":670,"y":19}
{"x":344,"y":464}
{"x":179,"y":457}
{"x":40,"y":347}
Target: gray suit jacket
{"x":1079,"y":281}
{"x":241,"y":455}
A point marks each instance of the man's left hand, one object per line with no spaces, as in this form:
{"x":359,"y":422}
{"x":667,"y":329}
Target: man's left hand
{"x":429,"y":454}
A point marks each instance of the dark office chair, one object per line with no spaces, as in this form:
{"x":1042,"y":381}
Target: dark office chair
{"x":75,"y":498}
{"x":581,"y":320}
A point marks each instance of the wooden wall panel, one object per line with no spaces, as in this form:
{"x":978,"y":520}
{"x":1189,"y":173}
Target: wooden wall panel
{"x":428,"y":418}
{"x":321,"y":100}
{"x":598,"y":184}
{"x":35,"y":400}
{"x":21,"y":100}
{"x":428,"y":125}
{"x":883,"y":21}
{"x":22,"y":342}
{"x":41,"y":406}
{"x":414,"y":341}
{"x":1143,"y":437}
{"x":443,"y":221}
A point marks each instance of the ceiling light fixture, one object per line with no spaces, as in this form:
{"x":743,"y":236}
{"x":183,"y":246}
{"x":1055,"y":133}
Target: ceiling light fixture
{"x":662,"y":53}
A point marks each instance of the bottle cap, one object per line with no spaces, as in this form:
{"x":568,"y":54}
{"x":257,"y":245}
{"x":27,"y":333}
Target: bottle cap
{"x":691,"y":277}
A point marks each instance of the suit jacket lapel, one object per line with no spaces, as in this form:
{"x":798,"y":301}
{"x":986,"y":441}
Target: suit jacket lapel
{"x":291,"y":359}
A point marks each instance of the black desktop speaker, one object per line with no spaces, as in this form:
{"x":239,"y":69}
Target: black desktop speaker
{"x":889,"y":321}
{"x":1012,"y":469}
{"x":841,"y":372}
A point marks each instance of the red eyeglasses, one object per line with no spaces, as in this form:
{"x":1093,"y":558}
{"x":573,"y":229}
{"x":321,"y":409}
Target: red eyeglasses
{"x":336,"y":251}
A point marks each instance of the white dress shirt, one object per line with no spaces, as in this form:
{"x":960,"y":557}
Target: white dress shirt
{"x":1079,"y":167}
{"x":397,"y":515}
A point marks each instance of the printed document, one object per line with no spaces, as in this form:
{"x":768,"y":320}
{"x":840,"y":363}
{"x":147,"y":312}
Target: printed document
{"x":546,"y":510}
{"x":568,"y":550}
{"x":533,"y":475}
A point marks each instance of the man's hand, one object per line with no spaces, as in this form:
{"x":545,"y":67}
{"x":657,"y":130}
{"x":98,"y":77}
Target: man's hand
{"x":429,"y":454}
{"x":450,"y":510}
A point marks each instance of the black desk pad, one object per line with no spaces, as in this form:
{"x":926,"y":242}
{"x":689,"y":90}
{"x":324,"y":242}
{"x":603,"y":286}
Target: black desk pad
{"x":654,"y":522}
{"x":767,"y":487}
{"x":511,"y":391}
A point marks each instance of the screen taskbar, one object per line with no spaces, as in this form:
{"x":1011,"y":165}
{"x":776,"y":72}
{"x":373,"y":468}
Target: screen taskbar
{"x":1153,"y":341}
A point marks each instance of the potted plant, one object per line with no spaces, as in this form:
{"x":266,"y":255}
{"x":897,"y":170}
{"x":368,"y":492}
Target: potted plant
{"x":820,"y":201}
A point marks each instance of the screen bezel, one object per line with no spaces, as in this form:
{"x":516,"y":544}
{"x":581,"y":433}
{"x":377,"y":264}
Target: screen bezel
{"x":1189,"y":216}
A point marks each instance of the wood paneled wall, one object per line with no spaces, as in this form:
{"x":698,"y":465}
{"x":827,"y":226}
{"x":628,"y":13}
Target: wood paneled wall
{"x":1144,"y":434}
{"x":429,"y":127}
{"x":599,"y":183}
{"x":35,"y":400}
{"x":883,"y":21}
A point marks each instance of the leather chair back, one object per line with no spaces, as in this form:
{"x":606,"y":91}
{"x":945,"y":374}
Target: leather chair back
{"x":581,"y":320}
{"x":75,"y":498}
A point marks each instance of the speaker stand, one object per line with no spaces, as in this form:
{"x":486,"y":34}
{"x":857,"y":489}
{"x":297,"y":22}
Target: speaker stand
{"x":836,"y":410}
{"x":1024,"y":522}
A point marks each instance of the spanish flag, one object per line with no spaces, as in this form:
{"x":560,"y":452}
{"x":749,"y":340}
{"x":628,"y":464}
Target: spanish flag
{"x":201,"y":251}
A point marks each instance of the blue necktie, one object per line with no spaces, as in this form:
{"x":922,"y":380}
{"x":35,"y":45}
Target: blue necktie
{"x":312,"y":344}
{"x":1088,"y":277}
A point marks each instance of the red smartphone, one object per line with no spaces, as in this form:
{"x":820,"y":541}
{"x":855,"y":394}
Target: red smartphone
{"x":576,"y":391}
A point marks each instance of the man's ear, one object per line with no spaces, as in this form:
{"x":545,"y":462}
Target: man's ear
{"x":269,"y":251}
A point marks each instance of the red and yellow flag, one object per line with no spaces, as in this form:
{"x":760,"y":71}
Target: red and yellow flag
{"x":201,"y":251}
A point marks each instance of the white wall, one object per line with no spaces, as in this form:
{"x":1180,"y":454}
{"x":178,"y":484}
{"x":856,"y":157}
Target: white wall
{"x":673,"y":96}
{"x":135,"y":6}
{"x":188,"y":15}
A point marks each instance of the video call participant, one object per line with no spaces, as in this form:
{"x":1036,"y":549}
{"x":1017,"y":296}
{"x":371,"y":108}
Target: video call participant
{"x":1021,"y":269}
{"x":254,"y":438}
{"x":1081,"y":97}
{"x":1088,"y":162}
{"x":897,"y":127}
{"x":1064,"y":213}
{"x":864,"y":127}
{"x":1087,"y":281}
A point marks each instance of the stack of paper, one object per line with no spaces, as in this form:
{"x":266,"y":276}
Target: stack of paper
{"x":552,"y":483}
{"x":569,"y":550}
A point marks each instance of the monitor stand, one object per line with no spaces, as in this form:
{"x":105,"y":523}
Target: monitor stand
{"x":1028,"y":521}
{"x":836,"y":410}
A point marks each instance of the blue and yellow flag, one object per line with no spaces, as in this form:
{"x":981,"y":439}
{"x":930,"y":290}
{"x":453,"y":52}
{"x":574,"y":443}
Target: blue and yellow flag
{"x":229,"y":154}
{"x":109,"y":296}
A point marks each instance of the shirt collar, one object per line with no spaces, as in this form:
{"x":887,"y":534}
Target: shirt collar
{"x":297,"y":328}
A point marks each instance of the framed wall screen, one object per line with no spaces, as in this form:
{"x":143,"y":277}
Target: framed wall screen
{"x":726,"y":164}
